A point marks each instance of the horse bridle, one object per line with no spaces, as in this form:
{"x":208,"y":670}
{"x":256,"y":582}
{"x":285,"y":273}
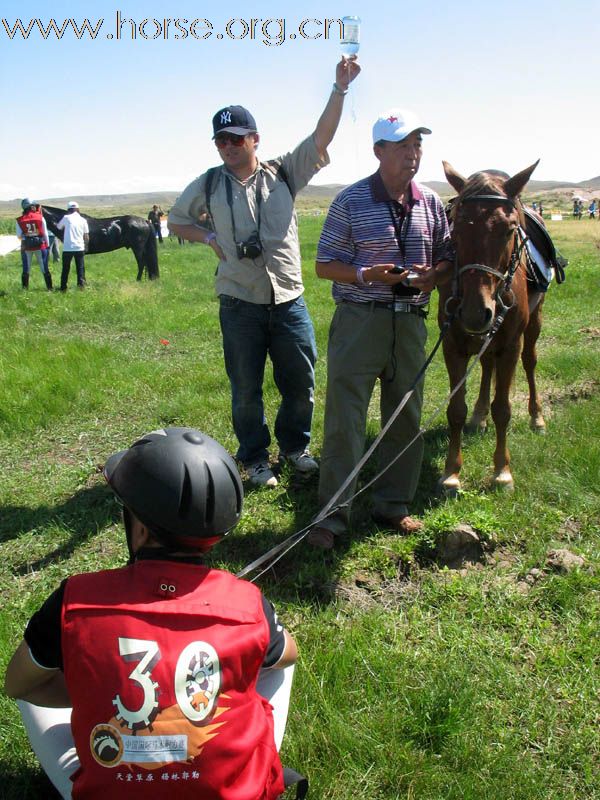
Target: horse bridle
{"x":505,"y":279}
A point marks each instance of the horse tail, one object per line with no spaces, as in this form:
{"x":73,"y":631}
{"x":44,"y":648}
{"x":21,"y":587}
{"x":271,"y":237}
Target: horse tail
{"x":150,"y":256}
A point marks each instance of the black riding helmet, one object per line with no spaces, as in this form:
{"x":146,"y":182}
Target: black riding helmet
{"x":180,"y":483}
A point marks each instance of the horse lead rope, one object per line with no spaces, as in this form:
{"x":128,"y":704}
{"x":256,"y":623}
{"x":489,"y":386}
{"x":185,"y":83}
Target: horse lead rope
{"x":275,"y":554}
{"x":280,"y":550}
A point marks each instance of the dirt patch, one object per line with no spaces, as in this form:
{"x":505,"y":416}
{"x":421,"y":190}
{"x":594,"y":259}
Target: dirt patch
{"x":575,"y":393}
{"x":591,"y":333}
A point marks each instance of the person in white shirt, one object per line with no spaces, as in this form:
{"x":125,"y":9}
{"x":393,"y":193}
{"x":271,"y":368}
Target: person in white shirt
{"x":75,"y":241}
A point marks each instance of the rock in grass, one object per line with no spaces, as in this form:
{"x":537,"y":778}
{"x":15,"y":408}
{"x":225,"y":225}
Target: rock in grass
{"x":459,"y":546}
{"x":563,"y":561}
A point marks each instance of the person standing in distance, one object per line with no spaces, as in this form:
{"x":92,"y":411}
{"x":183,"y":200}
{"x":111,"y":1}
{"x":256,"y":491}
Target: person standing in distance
{"x":75,"y":241}
{"x":32,"y":232}
{"x":385,"y":245}
{"x":160,"y":659}
{"x":259,"y":277}
{"x":154,"y":217}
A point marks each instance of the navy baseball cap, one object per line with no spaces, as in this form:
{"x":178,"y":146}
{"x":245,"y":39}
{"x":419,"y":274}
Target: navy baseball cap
{"x":234,"y":119}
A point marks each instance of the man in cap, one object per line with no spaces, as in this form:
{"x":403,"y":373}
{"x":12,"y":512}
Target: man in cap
{"x":159,"y":659}
{"x":75,"y":241}
{"x":385,"y":245}
{"x":259,"y":278}
{"x":32,"y":231}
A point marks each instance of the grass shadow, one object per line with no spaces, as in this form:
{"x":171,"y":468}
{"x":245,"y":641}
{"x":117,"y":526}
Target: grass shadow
{"x":82,"y":514}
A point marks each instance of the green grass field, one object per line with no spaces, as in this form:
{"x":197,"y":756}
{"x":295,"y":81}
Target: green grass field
{"x":415,"y":681}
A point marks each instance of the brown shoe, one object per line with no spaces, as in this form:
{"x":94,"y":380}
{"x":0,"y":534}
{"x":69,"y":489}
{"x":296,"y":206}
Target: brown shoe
{"x":403,"y":524}
{"x":322,"y":538}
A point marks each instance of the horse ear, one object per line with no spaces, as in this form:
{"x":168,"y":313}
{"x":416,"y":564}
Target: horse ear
{"x":515,"y":185}
{"x":454,"y":178}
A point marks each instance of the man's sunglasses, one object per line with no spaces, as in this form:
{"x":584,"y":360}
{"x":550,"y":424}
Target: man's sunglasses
{"x":235,"y":139}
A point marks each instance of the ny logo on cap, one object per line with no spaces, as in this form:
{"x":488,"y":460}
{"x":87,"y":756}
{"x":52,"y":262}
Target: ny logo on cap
{"x":225,"y":117}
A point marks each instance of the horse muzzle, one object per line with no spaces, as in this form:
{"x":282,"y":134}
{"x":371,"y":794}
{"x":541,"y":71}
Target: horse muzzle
{"x":477,"y":321}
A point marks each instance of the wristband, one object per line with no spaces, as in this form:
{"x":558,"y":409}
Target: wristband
{"x":337,"y":90}
{"x":210,"y":237}
{"x":360,"y":277}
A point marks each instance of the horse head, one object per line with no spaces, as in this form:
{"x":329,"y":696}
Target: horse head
{"x":52,"y":216}
{"x":485,"y":217}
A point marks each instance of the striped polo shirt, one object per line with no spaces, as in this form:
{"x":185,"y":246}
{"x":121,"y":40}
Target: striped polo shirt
{"x":360,"y":230}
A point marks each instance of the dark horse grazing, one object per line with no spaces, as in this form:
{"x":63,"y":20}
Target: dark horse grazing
{"x":111,"y":233}
{"x":489,"y":277}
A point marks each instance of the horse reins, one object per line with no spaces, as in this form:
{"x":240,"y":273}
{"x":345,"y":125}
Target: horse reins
{"x":272,"y":556}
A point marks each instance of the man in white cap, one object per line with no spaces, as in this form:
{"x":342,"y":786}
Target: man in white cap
{"x":75,"y":241}
{"x":385,"y":245}
{"x":259,"y":278}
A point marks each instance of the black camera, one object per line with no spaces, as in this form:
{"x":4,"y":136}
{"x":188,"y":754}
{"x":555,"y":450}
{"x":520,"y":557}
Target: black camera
{"x":251,"y":248}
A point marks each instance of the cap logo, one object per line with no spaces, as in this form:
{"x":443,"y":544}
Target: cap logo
{"x":225,"y":117}
{"x":392,"y":119}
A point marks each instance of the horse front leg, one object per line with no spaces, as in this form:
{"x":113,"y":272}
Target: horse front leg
{"x":456,"y":413}
{"x":529,"y":360}
{"x":506,"y":365}
{"x":478,"y":421}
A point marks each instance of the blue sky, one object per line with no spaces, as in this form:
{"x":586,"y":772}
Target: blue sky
{"x":500,"y":84}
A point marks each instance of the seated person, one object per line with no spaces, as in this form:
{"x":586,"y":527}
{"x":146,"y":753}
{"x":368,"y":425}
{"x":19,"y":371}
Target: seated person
{"x":159,"y":659}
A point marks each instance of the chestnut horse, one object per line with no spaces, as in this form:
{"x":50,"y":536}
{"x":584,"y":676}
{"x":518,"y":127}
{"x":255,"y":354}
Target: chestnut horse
{"x":489,"y":287}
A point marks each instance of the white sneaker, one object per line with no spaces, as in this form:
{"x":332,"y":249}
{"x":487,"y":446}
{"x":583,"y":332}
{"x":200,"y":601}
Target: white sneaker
{"x":302,"y":461}
{"x":261,"y":474}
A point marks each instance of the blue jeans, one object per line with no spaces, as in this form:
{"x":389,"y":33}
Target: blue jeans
{"x":284,"y":332}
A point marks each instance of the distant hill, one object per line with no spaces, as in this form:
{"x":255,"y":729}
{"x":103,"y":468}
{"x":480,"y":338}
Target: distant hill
{"x":311,"y":196}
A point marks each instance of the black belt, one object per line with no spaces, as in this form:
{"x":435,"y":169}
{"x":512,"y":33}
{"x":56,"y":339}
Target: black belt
{"x":399,"y":306}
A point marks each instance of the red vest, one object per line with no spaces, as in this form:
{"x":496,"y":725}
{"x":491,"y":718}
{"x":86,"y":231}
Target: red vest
{"x":161,"y":660}
{"x":32,"y":224}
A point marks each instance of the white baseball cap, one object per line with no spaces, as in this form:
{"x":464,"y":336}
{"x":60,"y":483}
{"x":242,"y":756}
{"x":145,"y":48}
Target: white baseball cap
{"x":396,"y":124}
{"x":72,"y":204}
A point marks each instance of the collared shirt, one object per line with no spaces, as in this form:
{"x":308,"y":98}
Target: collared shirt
{"x":359,"y":230}
{"x":276,"y":274}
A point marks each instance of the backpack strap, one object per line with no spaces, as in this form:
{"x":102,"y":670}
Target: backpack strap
{"x":293,"y":778}
{"x":210,"y":176}
{"x":275,"y":166}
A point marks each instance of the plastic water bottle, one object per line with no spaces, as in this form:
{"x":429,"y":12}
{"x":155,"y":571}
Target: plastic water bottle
{"x":350,"y":43}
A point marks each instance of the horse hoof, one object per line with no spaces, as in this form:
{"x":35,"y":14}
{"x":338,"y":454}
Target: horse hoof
{"x":504,"y":482}
{"x":538,"y":426}
{"x":450,"y":486}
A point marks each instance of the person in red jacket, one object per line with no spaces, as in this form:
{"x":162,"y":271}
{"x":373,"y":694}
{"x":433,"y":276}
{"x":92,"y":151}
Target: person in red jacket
{"x":31,"y":230}
{"x":159,"y":659}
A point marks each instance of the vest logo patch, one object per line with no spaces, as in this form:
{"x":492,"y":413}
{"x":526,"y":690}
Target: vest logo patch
{"x":106,"y":745}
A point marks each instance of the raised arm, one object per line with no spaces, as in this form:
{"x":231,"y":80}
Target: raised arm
{"x":345,"y":72}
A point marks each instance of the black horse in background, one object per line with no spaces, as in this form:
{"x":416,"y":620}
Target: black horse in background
{"x":111,"y":233}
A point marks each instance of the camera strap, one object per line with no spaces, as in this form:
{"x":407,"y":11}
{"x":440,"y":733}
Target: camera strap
{"x":401,"y":222}
{"x":229,"y":193}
